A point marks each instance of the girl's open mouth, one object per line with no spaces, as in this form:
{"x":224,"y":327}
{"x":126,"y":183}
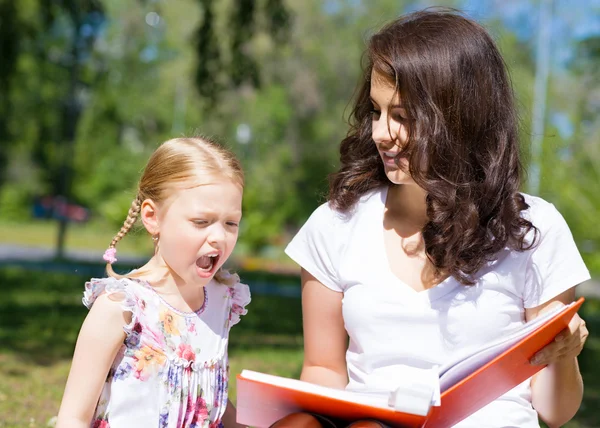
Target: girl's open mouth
{"x":206,"y":265}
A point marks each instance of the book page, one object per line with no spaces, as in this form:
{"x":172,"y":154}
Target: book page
{"x":371,"y":398}
{"x":469,"y":361}
{"x":415,"y":394}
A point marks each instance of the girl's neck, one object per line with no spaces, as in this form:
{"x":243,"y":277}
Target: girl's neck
{"x":180,"y":294}
{"x":406,"y":203}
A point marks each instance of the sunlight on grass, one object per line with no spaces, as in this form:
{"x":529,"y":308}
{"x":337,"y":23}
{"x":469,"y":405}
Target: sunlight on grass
{"x":41,"y":313}
{"x":92,"y":236}
{"x":30,"y":394}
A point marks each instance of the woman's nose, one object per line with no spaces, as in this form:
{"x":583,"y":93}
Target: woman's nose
{"x":381,"y":131}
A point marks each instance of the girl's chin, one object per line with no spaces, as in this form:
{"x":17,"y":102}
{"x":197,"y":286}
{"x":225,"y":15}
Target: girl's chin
{"x":204,"y":275}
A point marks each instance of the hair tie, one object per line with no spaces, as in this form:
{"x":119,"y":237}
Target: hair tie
{"x":109,"y":255}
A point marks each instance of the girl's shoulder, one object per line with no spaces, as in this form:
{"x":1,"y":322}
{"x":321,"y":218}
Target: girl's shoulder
{"x":95,"y":287}
{"x":237,"y":292}
{"x":134,"y":297}
{"x":121,"y":289}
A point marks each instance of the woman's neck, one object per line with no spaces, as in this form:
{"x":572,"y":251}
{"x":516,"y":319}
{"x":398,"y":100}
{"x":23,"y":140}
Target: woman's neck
{"x":406,"y":203}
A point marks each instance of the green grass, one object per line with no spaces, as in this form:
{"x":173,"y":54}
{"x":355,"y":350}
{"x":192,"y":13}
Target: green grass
{"x":40,"y":316}
{"x":41,"y":313}
{"x":94,"y":236}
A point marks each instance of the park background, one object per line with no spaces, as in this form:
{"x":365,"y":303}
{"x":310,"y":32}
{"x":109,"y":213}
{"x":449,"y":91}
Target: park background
{"x":88,"y":88}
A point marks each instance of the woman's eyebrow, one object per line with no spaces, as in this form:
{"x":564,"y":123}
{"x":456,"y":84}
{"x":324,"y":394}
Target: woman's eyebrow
{"x":397,"y":105}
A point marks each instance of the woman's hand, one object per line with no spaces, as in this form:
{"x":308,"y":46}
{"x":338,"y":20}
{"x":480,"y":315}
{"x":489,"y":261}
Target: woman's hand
{"x":567,"y":344}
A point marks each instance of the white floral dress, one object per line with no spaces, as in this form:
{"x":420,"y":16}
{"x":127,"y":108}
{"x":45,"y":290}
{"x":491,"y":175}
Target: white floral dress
{"x":172,"y":370}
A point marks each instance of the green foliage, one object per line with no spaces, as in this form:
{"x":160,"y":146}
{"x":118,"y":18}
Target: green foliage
{"x":571,"y":157}
{"x":224,"y":62}
{"x":14,"y":203}
{"x":109,"y":184}
{"x":285,"y":71}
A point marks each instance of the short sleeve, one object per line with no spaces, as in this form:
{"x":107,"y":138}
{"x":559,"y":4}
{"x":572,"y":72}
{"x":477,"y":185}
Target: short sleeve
{"x":240,"y":298}
{"x":316,"y":247}
{"x":555,"y":264}
{"x":120,"y":289}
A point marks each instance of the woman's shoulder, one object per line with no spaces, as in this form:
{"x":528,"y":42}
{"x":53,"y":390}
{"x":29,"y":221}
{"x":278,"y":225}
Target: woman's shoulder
{"x":542,"y":214}
{"x":326,"y":213}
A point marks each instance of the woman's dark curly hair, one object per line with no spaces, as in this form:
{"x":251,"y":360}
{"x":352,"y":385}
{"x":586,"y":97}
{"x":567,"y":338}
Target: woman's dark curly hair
{"x":462,"y":145}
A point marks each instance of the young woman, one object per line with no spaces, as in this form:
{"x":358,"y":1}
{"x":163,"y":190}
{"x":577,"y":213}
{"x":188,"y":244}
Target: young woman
{"x":426,"y":247}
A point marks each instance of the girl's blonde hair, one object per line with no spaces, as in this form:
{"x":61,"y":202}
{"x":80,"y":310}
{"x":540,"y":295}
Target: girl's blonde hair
{"x":175,"y":161}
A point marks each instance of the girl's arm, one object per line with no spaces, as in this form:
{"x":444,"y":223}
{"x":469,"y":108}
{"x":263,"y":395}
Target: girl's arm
{"x":325,"y":338}
{"x":557,"y":390}
{"x":99,"y":340}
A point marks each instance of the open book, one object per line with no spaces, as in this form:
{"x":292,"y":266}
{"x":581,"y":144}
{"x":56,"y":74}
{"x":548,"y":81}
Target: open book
{"x":440,"y":397}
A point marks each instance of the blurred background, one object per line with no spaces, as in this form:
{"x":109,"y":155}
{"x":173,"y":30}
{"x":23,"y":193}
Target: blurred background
{"x":88,"y":88}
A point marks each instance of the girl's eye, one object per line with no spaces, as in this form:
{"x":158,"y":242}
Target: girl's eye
{"x":232,"y":224}
{"x":375,"y":114}
{"x":200,"y":222}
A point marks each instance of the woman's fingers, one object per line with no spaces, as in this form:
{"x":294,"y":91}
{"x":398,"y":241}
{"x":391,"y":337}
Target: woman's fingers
{"x":567,"y":344}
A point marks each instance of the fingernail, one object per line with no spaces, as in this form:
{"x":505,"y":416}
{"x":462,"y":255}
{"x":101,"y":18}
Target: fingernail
{"x":536,"y":359}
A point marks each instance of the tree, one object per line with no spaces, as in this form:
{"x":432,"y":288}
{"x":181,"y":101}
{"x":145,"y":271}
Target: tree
{"x":11,"y":34}
{"x":82,"y":74}
{"x":221,"y":67}
{"x":572,"y":158}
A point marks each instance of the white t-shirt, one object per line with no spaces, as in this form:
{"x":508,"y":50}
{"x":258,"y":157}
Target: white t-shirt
{"x":392,"y":326}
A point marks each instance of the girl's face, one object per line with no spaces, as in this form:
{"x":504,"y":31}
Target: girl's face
{"x":198,"y":229}
{"x":389,"y":128}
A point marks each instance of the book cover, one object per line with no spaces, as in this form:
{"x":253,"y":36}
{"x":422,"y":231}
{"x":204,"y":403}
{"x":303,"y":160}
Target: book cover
{"x":467,"y":384}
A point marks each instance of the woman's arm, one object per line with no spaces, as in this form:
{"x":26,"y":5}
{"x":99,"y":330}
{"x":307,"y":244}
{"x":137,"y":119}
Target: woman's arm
{"x":325,"y":338}
{"x":557,"y":390}
{"x":99,"y":340}
{"x":229,"y":417}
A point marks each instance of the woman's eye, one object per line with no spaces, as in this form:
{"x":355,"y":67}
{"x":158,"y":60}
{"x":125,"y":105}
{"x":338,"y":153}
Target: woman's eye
{"x":375,"y":113}
{"x":399,"y":116}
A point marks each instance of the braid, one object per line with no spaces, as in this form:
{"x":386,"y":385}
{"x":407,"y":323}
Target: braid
{"x":132,"y":215}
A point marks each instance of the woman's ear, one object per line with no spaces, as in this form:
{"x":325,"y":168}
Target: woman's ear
{"x":149,"y":215}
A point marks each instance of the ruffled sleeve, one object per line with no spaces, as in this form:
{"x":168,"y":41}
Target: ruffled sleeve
{"x":240,"y":297}
{"x":118,"y":288}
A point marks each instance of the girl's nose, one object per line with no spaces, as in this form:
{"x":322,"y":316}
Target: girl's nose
{"x":216,"y":235}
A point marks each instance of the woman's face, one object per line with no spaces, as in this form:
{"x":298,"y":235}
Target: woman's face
{"x":389,"y":128}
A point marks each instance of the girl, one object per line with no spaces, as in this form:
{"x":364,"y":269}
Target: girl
{"x":152,"y":351}
{"x":426,"y":247}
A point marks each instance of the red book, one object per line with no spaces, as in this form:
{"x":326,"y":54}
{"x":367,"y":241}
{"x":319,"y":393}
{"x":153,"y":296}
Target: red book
{"x":467,"y":384}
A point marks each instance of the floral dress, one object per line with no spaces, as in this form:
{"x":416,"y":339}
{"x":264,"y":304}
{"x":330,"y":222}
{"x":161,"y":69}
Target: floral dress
{"x":172,"y":370}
